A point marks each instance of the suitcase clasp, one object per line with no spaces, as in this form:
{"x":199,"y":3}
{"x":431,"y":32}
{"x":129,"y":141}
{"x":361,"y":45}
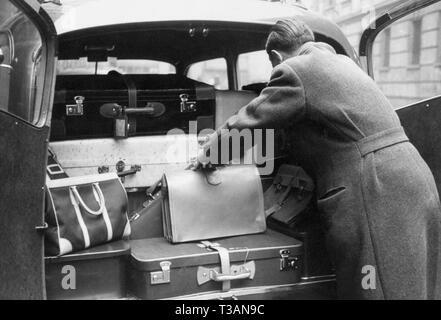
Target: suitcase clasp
{"x":187,"y":106}
{"x":288,"y":262}
{"x":159,"y":277}
{"x":76,"y":109}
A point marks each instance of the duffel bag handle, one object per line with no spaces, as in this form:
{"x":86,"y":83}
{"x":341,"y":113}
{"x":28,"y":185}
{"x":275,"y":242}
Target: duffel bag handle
{"x":101,"y":201}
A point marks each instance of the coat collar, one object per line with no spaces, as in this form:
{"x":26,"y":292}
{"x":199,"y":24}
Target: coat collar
{"x":308,"y":47}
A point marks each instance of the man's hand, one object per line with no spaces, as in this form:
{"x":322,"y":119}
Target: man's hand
{"x":202,"y":160}
{"x":194,"y":164}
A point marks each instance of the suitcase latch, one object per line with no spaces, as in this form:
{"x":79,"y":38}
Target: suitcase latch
{"x":159,"y":277}
{"x":287,"y":262}
{"x":76,"y":109}
{"x":187,"y":106}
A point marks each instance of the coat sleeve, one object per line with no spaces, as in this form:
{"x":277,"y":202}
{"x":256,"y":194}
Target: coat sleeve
{"x":282,"y":102}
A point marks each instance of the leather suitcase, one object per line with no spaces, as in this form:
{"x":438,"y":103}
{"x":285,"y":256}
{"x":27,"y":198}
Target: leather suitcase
{"x":161,"y":270}
{"x":78,"y":98}
{"x":94,"y":273}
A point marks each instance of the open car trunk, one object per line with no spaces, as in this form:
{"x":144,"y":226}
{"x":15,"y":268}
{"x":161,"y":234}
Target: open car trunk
{"x":87,"y":139}
{"x":86,"y":142}
{"x":133,"y":264}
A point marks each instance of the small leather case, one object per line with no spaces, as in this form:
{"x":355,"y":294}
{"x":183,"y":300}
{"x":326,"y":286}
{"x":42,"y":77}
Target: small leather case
{"x":289,"y":195}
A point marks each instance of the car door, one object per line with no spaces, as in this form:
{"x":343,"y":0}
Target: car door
{"x":401,"y":50}
{"x":27,"y":59}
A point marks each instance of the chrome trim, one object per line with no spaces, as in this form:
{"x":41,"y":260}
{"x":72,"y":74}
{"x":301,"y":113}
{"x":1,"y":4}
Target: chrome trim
{"x":231,"y":250}
{"x":84,"y":255}
{"x":74,"y":181}
{"x":328,"y":276}
{"x":246,"y":291}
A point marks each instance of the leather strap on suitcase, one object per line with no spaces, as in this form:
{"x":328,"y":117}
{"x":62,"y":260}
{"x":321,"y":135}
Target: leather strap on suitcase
{"x":225,"y":262}
{"x":228,"y":272}
{"x":131,"y":87}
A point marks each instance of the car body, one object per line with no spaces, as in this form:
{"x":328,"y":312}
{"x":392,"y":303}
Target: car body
{"x":172,"y":32}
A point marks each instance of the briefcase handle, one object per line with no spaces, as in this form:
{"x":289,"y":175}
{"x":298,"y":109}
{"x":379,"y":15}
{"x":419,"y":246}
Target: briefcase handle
{"x":212,"y":175}
{"x":100,"y":199}
{"x":210,"y":171}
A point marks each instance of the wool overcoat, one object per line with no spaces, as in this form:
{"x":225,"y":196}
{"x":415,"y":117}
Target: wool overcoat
{"x":376,"y":196}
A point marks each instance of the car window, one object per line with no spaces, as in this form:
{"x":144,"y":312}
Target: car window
{"x":407,"y":57}
{"x":124,"y":66}
{"x":21,"y":64}
{"x":213,"y":72}
{"x":254,"y":67}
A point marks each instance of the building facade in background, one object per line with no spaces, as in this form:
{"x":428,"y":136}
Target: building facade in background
{"x":407,"y":55}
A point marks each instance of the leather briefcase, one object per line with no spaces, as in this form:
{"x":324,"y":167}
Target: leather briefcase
{"x":289,"y":195}
{"x":83,"y":212}
{"x":207,"y":204}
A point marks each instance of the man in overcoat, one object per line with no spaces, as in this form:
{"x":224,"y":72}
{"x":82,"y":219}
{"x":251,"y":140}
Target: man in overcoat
{"x":376,"y":196}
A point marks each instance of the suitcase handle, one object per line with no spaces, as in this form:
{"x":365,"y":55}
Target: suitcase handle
{"x":237,"y":272}
{"x":220,"y":277}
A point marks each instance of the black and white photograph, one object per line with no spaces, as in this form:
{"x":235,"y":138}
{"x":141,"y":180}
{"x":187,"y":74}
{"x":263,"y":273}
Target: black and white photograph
{"x":234,"y":151}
